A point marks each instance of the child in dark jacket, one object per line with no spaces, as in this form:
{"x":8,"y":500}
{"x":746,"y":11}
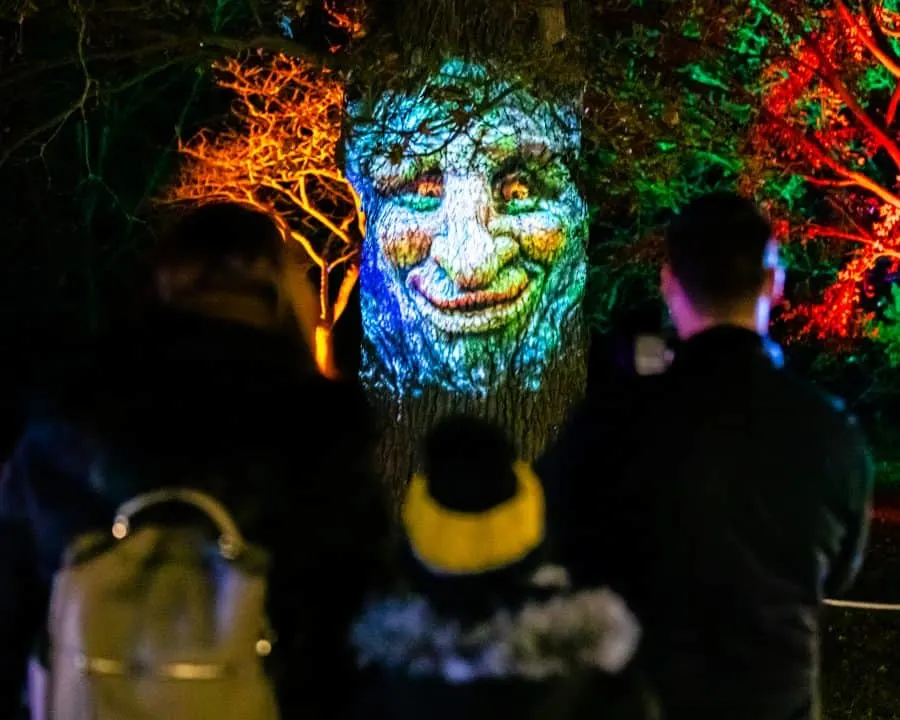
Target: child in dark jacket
{"x":484,"y":626}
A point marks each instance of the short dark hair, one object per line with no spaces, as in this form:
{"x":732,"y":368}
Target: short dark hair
{"x":213,"y":235}
{"x":716,"y":247}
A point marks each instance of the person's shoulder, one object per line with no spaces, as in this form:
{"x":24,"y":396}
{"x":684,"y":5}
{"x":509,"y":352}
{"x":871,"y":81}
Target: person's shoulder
{"x":120,"y":347}
{"x":63,"y":383}
{"x":345,"y":393}
{"x":330,"y":402}
{"x":624,"y":392}
{"x":822,"y":411}
{"x":805,"y":393}
{"x":610,"y":410}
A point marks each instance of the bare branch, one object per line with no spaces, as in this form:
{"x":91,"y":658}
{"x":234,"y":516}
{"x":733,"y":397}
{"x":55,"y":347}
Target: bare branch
{"x":282,"y":161}
{"x":140,"y":52}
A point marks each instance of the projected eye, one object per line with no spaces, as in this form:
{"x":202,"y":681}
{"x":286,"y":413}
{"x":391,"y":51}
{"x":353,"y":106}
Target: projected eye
{"x":423,"y":194}
{"x":515,"y":194}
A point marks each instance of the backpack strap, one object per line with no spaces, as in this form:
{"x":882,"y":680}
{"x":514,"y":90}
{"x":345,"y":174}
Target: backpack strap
{"x":231,"y":542}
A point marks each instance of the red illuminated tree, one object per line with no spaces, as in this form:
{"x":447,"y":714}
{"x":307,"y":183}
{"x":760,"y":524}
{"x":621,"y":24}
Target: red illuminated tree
{"x":829,"y":115}
{"x":280,"y":157}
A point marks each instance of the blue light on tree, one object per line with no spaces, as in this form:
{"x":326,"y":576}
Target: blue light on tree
{"x":474,"y":264}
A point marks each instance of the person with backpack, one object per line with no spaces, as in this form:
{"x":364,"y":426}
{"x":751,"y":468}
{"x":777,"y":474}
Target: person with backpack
{"x":724,"y":498}
{"x":483,"y":626}
{"x":231,"y":478}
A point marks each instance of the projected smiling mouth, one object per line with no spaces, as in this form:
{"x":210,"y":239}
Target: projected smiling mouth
{"x":507,"y":298}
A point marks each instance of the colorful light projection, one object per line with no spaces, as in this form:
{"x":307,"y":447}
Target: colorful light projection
{"x":474,"y":264}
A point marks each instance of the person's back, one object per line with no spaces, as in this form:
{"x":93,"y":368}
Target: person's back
{"x":219,"y":391}
{"x":744,"y":515}
{"x":485,"y":627}
{"x":290,"y":459}
{"x":736,"y":495}
{"x":216,"y":389}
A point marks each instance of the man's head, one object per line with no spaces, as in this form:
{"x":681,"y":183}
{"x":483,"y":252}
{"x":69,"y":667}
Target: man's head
{"x":473,"y":263}
{"x":721,"y":266}
{"x":227,"y":260}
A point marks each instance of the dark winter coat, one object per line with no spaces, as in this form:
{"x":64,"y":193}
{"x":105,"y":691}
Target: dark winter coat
{"x":232,"y":410}
{"x":555,"y":655}
{"x":723,"y":500}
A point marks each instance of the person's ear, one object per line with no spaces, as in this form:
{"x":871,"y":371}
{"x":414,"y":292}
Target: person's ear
{"x":773,"y":284}
{"x":778,"y":284}
{"x":667,"y":282}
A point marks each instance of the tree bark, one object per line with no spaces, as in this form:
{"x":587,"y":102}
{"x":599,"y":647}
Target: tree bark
{"x":532,"y":419}
{"x":453,"y":235}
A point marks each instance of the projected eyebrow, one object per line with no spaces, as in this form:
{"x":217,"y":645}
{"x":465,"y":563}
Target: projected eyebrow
{"x":502,"y":151}
{"x":391,"y":179}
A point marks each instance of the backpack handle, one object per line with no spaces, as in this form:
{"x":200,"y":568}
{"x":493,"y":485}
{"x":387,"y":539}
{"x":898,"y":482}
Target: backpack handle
{"x":231,"y":542}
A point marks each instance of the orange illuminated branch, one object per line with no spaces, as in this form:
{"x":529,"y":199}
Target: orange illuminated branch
{"x":891,"y":114}
{"x":838,"y":85}
{"x":857,"y":180}
{"x":280,"y":157}
{"x":351,"y":275}
{"x":346,"y":21}
{"x":884,"y":17}
{"x":876,"y":245}
{"x":847,"y":177}
{"x":816,"y":123}
{"x":863,"y":29}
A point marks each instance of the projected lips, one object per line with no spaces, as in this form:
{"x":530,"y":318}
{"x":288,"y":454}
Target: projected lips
{"x":456,"y":311}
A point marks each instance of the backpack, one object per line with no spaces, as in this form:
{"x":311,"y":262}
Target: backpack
{"x":158,"y":621}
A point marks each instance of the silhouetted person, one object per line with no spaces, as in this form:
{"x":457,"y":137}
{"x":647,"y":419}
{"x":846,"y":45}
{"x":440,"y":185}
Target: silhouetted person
{"x":485,"y":627}
{"x":215,"y":389}
{"x":724,"y":498}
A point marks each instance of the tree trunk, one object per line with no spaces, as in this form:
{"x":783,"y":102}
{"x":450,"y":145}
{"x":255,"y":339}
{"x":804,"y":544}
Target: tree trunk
{"x":531,"y":418}
{"x":324,"y":351}
{"x":473,"y":266}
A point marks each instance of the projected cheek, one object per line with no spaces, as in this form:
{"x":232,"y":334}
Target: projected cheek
{"x":404,"y":245}
{"x":531,"y":201}
{"x":544,"y":245}
{"x":541,"y":236}
{"x":407,"y":224}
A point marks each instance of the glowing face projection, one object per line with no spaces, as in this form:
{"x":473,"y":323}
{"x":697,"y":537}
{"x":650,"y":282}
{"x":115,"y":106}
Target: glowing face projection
{"x":473,"y":266}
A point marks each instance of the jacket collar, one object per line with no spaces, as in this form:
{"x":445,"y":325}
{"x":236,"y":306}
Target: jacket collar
{"x":546,"y":637}
{"x":725,"y":345}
